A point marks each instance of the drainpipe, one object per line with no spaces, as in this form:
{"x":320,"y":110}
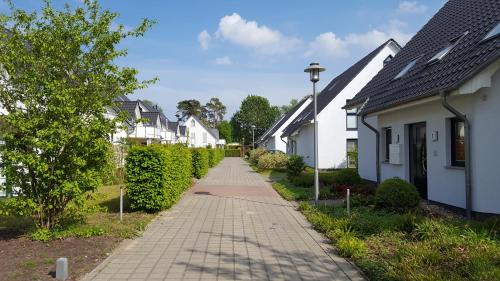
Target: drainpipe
{"x":377,"y":138}
{"x":377,"y":143}
{"x":467,"y":141}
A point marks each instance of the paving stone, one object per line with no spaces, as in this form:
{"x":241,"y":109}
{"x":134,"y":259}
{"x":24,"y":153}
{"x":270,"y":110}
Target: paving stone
{"x":230,"y":226}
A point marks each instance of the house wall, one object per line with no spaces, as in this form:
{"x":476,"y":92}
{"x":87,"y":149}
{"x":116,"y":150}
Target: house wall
{"x":366,"y":149}
{"x":198,"y":129}
{"x":445,"y":183}
{"x":332,"y":132}
{"x":304,"y":140}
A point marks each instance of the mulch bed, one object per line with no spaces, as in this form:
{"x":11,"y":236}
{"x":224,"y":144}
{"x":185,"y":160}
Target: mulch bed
{"x":22,"y":259}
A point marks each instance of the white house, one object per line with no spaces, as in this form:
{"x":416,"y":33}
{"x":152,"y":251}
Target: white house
{"x":433,"y":110}
{"x":271,"y":140}
{"x":337,"y":128}
{"x":200,"y":135}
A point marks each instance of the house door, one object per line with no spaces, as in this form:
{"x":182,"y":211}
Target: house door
{"x":418,"y":157}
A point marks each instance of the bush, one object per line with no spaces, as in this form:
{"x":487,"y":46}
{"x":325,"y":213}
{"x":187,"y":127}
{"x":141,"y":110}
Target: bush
{"x":232,"y":153}
{"x":255,"y":154}
{"x":157,"y":175}
{"x":147,"y":177}
{"x":269,"y":161}
{"x":295,"y":165}
{"x":212,"y":157}
{"x":307,"y":179}
{"x":200,"y":162}
{"x":396,"y":195}
{"x":347,"y":176}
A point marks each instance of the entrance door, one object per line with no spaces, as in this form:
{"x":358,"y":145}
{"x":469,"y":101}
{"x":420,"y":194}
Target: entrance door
{"x":418,"y":158}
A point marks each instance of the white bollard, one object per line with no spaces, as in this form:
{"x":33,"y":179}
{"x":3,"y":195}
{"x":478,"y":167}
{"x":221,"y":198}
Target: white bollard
{"x":62,"y":269}
{"x":348,"y":201}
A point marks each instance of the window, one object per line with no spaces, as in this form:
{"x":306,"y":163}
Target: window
{"x":407,"y":68}
{"x":351,"y":118}
{"x":457,"y":142}
{"x":453,"y":42}
{"x":387,"y":59}
{"x":352,"y":153}
{"x":493,"y":33}
{"x":387,"y":142}
{"x":192,"y":123}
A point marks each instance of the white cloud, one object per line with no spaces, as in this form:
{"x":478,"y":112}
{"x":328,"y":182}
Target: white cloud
{"x":223,"y":61}
{"x":204,"y":38}
{"x":411,"y":7}
{"x":251,"y":35}
{"x":330,"y":45}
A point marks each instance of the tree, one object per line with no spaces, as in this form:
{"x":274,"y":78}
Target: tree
{"x":225,"y":131}
{"x":287,"y":107}
{"x":213,"y":112}
{"x":153,"y":104}
{"x":187,"y":108}
{"x":59,"y":77}
{"x":257,"y":111}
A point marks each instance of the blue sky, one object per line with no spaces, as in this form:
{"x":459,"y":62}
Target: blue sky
{"x":230,"y":49}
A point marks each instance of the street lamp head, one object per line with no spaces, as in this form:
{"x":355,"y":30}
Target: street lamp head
{"x":253,"y":126}
{"x":314,"y":69}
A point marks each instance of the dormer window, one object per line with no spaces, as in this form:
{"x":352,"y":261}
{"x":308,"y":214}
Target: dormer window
{"x":493,"y":33}
{"x":407,"y":68}
{"x":387,"y":59}
{"x":441,"y":54}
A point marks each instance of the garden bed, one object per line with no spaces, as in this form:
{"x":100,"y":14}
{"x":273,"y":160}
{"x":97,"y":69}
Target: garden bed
{"x":402,"y":246}
{"x":84,"y":244}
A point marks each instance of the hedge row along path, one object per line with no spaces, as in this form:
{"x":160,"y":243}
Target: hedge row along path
{"x":230,"y":226}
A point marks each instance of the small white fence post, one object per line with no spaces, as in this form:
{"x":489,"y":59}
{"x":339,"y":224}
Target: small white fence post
{"x":348,"y":201}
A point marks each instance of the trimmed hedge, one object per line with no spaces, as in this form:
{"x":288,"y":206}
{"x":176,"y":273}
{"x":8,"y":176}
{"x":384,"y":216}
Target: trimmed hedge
{"x":269,"y":161}
{"x":232,"y":153}
{"x":200,"y":162}
{"x":215,"y":155}
{"x":147,"y":178}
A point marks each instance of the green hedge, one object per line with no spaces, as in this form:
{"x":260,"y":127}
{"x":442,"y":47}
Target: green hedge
{"x":215,"y":155}
{"x":147,"y":177}
{"x":232,"y":153}
{"x":157,"y":175}
{"x":200,"y":162}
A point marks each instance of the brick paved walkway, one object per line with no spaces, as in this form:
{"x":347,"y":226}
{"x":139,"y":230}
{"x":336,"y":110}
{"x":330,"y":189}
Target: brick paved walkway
{"x":230,"y":226}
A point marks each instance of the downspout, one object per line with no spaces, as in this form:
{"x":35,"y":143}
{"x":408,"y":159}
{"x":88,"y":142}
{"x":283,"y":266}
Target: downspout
{"x":467,"y":141}
{"x":377,"y":139}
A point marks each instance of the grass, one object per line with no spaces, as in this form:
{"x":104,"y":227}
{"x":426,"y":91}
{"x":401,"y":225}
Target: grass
{"x":407,"y":246}
{"x":100,"y":217}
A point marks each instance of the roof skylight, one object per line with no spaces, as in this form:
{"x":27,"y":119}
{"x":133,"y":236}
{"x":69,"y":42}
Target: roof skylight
{"x":493,"y":33}
{"x":406,"y":68}
{"x":447,"y":49}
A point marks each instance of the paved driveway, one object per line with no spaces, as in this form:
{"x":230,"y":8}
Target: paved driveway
{"x":230,"y":226}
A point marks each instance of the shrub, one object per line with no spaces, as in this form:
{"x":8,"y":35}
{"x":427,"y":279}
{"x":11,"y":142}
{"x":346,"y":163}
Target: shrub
{"x":347,"y":176}
{"x":147,"y":177}
{"x":269,"y":161}
{"x":212,"y":157}
{"x":396,"y":195}
{"x":255,"y":154}
{"x":157,"y":175}
{"x":295,"y":165}
{"x":179,"y":171}
{"x":232,"y":153}
{"x":200,"y":162}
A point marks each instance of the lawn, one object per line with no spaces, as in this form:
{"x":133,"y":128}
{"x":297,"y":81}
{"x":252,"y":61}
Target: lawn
{"x":85,"y":242}
{"x":409,"y":246}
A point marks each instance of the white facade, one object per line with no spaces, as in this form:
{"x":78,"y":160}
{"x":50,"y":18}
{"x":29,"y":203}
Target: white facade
{"x":479,"y":99}
{"x":332,"y":131}
{"x":198,"y":135}
{"x":274,"y":141}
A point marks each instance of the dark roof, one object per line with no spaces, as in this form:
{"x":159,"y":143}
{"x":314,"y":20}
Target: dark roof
{"x":470,"y":55}
{"x":214,"y":132}
{"x":282,"y":120}
{"x":182,"y":130}
{"x":172,"y":126}
{"x":122,"y":98}
{"x":333,"y":89}
{"x":129,"y":106}
{"x":151,"y":116}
